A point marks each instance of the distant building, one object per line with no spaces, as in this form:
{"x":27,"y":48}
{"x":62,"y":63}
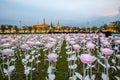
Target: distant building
{"x":51,"y":27}
{"x":41,"y":26}
{"x":110,"y":28}
{"x":58,"y":26}
{"x":66,"y":28}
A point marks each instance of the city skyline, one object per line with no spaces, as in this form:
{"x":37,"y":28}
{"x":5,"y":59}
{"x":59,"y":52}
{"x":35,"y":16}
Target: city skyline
{"x":68,"y":12}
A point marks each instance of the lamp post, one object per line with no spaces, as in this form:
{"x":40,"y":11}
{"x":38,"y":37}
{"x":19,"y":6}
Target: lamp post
{"x":20,"y":24}
{"x":116,"y":26}
{"x":87,"y":27}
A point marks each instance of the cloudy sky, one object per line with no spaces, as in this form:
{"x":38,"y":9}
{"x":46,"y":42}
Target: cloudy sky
{"x":68,"y":12}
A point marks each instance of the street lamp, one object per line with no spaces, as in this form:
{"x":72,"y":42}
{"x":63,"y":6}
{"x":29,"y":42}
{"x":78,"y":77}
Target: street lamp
{"x":20,"y":23}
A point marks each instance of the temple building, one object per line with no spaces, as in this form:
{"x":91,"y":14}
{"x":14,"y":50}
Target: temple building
{"x":66,"y":28}
{"x":41,"y":26}
{"x":45,"y":27}
{"x":51,"y":26}
{"x":58,"y":26}
{"x":110,"y":28}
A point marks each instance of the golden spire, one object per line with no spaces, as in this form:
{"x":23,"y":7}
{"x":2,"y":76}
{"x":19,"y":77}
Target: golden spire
{"x":58,"y":25}
{"x":44,"y":22}
{"x":51,"y":25}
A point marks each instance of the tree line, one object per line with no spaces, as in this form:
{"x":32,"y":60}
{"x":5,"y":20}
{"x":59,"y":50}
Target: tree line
{"x":17,"y":29}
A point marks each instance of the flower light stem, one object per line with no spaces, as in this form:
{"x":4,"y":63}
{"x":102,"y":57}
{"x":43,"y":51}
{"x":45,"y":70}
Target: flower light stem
{"x":73,"y":69}
{"x":26,"y":77}
{"x":8,"y":64}
{"x":84,"y":71}
{"x":8,"y":77}
{"x":2,"y":70}
{"x":31,"y":71}
{"x":98,"y":68}
{"x":3,"y":59}
{"x":44,"y":58}
{"x":37,"y":64}
{"x":90,"y":71}
{"x":106,"y":63}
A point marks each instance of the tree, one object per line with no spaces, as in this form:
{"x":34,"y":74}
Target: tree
{"x":88,"y":29}
{"x":3,"y":28}
{"x":24,"y":28}
{"x":30,"y":28}
{"x":94,"y":28}
{"x":83,"y":29}
{"x":105,"y":26}
{"x":35,"y":29}
{"x":117,"y":26}
{"x":16,"y":29}
{"x":10,"y":28}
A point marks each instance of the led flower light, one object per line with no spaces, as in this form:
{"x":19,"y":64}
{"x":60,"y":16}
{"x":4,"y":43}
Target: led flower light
{"x":106,"y":43}
{"x":52,"y":57}
{"x":13,"y":40}
{"x":37,"y":43}
{"x":6,"y":45}
{"x":8,"y":52}
{"x":49,"y":46}
{"x":90,"y":45}
{"x":87,"y":58}
{"x":107,"y":51}
{"x":72,"y":42}
{"x":117,"y":41}
{"x":24,"y":47}
{"x":3,"y":40}
{"x":76,"y":47}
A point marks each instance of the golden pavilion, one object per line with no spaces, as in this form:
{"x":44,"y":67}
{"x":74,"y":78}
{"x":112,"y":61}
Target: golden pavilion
{"x":58,"y":26}
{"x":110,"y":28}
{"x":41,"y":26}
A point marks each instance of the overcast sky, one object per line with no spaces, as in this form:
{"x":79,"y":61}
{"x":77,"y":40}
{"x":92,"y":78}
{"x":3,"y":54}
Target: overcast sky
{"x":68,"y":12}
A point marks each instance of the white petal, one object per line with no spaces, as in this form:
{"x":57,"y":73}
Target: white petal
{"x":49,"y":70}
{"x":27,"y":57}
{"x":26,"y":72}
{"x":104,"y":76}
{"x":87,"y":77}
{"x":11,"y":68}
{"x":118,"y":56}
{"x":30,"y":60}
{"x":113,"y":61}
{"x":33,"y":68}
{"x":29,"y":68}
{"x":93,"y":77}
{"x":78,"y":75}
{"x":51,"y":76}
{"x":32,"y":52}
{"x":118,"y":67}
{"x":118,"y":78}
{"x":5,"y":71}
{"x":114,"y":67}
{"x":38,"y":61}
{"x":74,"y":77}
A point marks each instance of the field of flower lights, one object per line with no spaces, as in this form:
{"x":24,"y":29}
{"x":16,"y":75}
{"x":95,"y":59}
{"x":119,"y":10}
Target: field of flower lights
{"x":59,"y":57}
